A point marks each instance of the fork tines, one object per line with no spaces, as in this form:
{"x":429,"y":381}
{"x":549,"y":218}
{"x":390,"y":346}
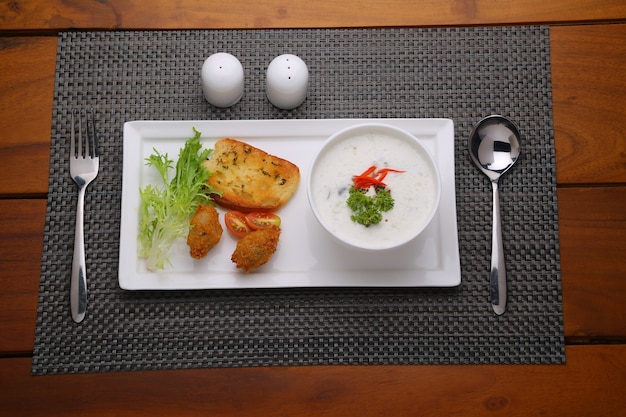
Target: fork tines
{"x":87,"y":139}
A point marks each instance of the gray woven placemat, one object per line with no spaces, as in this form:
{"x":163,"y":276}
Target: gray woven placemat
{"x":457,"y":73}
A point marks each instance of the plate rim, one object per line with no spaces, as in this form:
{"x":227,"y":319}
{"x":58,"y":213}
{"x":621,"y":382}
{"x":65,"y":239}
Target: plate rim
{"x":134,"y":130}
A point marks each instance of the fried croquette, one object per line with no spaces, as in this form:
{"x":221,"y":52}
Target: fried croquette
{"x":256,"y":248}
{"x":205,"y":231}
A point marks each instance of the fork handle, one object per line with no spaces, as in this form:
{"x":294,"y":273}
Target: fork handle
{"x":78,"y":282}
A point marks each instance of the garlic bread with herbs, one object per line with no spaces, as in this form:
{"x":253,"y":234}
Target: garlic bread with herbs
{"x":249,"y":179}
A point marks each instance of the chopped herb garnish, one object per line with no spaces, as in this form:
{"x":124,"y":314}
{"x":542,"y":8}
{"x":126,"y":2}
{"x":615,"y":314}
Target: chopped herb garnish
{"x":367,"y":208}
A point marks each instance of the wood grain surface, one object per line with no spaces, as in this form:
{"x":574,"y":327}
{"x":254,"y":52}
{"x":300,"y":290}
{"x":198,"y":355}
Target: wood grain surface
{"x":588,"y":57}
{"x":27,"y":70}
{"x":587,"y":386}
{"x":247,"y":14}
{"x":589,"y":104}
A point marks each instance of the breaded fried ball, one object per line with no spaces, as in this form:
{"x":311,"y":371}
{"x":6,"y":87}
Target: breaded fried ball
{"x":205,"y":231}
{"x":256,"y":248}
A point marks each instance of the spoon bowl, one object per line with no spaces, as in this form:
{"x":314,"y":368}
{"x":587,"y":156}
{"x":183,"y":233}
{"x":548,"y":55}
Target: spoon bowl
{"x":494,"y":146}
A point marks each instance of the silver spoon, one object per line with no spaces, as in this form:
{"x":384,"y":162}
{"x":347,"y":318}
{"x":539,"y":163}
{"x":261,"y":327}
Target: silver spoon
{"x":494,"y":146}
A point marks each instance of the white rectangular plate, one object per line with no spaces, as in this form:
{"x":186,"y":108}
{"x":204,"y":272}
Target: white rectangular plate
{"x":306,"y":255}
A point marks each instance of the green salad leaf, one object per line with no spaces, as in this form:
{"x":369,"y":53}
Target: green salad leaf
{"x":166,"y":209}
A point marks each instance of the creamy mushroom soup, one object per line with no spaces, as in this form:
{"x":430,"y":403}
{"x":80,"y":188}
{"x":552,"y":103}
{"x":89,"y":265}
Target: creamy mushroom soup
{"x":415,"y":191}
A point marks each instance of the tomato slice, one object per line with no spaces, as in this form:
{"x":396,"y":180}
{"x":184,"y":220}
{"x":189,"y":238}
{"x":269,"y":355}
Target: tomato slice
{"x":262,"y":220}
{"x":236,"y":223}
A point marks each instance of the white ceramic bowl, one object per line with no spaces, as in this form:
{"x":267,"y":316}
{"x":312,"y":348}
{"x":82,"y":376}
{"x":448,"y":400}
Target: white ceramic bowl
{"x":349,"y":152}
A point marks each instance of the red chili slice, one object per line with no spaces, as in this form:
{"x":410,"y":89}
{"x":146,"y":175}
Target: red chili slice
{"x":386,"y":170}
{"x":368,"y":171}
{"x":371,"y":177}
{"x":366,"y":182}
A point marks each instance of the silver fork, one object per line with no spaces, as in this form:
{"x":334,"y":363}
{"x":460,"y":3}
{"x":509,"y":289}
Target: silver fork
{"x":84,"y":164}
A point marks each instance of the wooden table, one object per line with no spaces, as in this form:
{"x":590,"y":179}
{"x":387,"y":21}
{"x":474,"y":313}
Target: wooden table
{"x":588,"y":60}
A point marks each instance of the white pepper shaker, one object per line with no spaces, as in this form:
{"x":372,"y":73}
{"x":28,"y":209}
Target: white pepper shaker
{"x":287,"y":81}
{"x":222,"y":79}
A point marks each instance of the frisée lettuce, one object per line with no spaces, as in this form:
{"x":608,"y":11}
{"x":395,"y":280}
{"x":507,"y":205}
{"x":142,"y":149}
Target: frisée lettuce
{"x":165,"y":210}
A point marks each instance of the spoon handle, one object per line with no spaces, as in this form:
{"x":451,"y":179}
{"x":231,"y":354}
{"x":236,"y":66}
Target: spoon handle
{"x":497,"y":278}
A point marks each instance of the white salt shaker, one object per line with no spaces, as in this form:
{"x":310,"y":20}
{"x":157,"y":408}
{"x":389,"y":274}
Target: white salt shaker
{"x":287,"y":81}
{"x":222,"y":79}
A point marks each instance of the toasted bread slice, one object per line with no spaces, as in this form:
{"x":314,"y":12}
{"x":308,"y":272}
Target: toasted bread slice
{"x":250,"y":179}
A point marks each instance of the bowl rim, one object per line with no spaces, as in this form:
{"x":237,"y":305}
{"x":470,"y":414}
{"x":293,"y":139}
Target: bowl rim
{"x":385,"y":128}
